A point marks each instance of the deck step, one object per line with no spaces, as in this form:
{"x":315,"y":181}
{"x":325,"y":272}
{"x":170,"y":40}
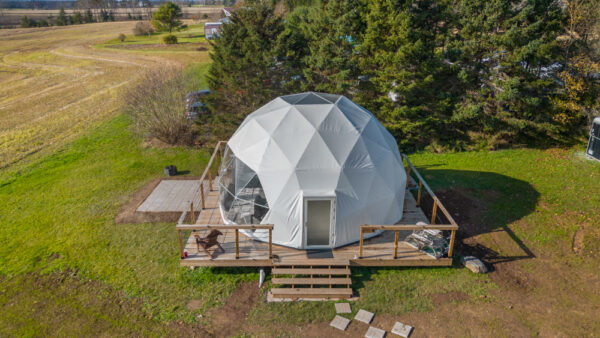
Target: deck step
{"x":313,"y":262}
{"x":309,"y":271}
{"x":312,"y":281}
{"x":312,"y":292}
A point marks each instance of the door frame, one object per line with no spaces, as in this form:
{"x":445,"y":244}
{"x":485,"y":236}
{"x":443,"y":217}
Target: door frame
{"x":332,"y":212}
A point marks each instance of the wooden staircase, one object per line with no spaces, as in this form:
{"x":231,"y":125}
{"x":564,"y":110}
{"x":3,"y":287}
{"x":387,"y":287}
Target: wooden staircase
{"x":312,"y":278}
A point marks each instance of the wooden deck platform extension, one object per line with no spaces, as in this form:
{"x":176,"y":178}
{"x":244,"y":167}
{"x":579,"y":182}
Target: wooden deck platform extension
{"x":377,"y":251}
{"x":387,"y":249}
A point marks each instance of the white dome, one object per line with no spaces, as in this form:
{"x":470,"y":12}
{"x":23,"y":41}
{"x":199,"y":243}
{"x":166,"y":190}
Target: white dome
{"x":311,"y":146}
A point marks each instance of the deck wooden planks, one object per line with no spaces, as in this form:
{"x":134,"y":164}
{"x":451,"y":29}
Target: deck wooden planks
{"x":377,"y":251}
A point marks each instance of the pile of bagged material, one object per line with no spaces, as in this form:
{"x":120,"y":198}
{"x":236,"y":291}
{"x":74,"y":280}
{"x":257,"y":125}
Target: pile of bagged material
{"x":431,"y":242}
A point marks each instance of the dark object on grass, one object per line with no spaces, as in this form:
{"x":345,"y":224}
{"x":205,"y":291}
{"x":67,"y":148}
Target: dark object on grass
{"x":170,"y":170}
{"x":208,"y":242}
{"x":593,"y":149}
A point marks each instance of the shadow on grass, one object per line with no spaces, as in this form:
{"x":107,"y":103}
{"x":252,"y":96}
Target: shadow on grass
{"x":481,"y":203}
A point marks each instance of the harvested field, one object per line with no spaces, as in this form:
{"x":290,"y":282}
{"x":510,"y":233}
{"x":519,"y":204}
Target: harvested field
{"x":56,"y":84}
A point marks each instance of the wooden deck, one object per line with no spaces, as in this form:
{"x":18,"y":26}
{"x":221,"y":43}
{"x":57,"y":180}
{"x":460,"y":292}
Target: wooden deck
{"x":377,"y":251}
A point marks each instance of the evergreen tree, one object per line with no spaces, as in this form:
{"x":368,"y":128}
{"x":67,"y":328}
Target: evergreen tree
{"x":334,"y":30}
{"x":244,"y":72}
{"x":167,"y":17}
{"x":89,"y":17}
{"x":507,"y":53}
{"x":77,"y":18}
{"x":407,"y":83}
{"x":61,"y":19}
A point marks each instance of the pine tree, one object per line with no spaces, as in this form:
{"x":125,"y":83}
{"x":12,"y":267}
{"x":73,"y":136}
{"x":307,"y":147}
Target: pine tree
{"x":89,"y":17}
{"x":167,"y":17}
{"x":407,"y":83}
{"x":244,"y":73}
{"x":334,"y":29}
{"x":61,"y":19}
{"x":506,"y":52}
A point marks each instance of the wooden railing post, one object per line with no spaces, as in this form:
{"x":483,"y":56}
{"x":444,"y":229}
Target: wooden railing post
{"x":408,"y":176}
{"x":450,"y":249}
{"x":270,"y":243}
{"x":180,"y":244}
{"x":396,"y":244}
{"x":434,"y":211}
{"x":237,"y":244}
{"x":192,"y":215}
{"x":419,"y":193}
{"x":360,"y":250}
{"x":202,"y":195}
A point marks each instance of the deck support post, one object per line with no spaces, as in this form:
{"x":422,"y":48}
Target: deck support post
{"x":192,"y":215}
{"x":360,"y":249}
{"x":419,"y":193}
{"x":270,"y":243}
{"x":396,"y":244}
{"x":450,"y":249}
{"x":237,"y":244}
{"x":180,"y":244}
{"x":434,"y":211}
{"x":202,"y":195}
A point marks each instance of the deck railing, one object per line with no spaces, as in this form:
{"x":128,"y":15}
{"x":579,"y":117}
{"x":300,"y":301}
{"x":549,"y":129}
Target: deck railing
{"x":437,"y":204}
{"x":237,"y":228}
{"x":207,"y":176}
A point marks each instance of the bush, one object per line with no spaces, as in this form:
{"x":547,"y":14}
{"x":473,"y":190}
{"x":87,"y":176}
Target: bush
{"x":143,"y":28}
{"x":169,"y":39}
{"x":157,"y":105}
{"x":122,"y":37}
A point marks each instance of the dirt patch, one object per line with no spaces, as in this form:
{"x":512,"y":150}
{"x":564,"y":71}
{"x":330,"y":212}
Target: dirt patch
{"x":128,"y":215}
{"x":194,"y":304}
{"x":229,"y":319}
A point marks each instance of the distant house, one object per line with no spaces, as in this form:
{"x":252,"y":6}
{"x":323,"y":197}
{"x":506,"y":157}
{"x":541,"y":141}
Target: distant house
{"x":212,"y":30}
{"x":228,"y":10}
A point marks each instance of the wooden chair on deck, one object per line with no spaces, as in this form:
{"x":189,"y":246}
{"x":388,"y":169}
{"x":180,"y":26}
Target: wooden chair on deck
{"x":208,"y":242}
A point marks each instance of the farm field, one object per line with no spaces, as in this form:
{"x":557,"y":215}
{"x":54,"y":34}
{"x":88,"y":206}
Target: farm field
{"x":57,"y":83}
{"x":12,"y":17}
{"x":69,"y":162}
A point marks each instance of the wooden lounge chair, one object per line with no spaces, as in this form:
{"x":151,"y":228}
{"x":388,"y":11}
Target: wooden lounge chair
{"x":208,"y":242}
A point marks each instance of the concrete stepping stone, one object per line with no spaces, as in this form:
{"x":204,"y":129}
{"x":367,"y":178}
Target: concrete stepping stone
{"x":340,"y":323}
{"x":364,"y":316}
{"x":343,"y":308}
{"x":402,"y":330}
{"x":374,"y":332}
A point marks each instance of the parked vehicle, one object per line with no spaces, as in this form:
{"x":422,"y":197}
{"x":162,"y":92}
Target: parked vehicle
{"x":593,"y":149}
{"x":193,"y":104}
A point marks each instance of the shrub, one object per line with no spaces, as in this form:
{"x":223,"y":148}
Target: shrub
{"x":204,"y":16}
{"x":143,"y":28}
{"x":122,"y":37}
{"x":157,"y":105}
{"x":169,"y":39}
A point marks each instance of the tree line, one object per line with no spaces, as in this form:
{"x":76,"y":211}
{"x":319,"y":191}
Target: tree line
{"x":439,"y":74}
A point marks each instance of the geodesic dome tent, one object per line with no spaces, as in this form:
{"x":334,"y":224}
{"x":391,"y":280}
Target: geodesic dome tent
{"x":314,"y":165}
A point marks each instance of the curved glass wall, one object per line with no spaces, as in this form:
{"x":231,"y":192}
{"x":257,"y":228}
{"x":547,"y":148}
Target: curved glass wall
{"x":242,"y":197}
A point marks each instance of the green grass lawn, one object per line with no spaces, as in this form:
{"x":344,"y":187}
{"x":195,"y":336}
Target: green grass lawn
{"x":57,"y":219}
{"x":192,"y":34}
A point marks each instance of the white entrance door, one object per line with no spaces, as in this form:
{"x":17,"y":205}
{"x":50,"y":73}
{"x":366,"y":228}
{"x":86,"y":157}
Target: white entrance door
{"x":318,"y":222}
